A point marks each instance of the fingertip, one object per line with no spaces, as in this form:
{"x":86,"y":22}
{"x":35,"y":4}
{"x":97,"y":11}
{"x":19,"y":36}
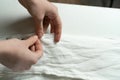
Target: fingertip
{"x":34,"y":38}
{"x":57,"y":29}
{"x":40,"y":34}
{"x":52,"y":30}
{"x":31,"y":40}
{"x":57,"y":38}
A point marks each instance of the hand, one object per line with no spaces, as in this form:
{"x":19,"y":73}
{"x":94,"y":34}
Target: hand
{"x":44,"y":13}
{"x":17,"y":55}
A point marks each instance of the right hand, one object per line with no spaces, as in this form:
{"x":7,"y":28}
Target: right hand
{"x":44,"y":13}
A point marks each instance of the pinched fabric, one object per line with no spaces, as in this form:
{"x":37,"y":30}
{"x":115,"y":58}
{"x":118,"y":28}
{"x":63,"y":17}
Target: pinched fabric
{"x":73,"y":58}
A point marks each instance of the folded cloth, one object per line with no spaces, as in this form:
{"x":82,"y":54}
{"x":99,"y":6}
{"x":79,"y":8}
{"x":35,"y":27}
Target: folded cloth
{"x":73,"y":58}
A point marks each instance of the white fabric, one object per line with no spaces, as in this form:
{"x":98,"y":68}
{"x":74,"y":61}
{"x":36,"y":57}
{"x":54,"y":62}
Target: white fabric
{"x":73,"y":58}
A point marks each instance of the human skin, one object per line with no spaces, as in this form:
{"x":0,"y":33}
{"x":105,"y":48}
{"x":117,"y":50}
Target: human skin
{"x":44,"y":13}
{"x":20,"y":55}
{"x":17,"y":54}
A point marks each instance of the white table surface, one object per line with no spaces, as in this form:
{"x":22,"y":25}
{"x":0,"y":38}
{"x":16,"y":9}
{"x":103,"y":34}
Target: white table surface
{"x":76,"y":19}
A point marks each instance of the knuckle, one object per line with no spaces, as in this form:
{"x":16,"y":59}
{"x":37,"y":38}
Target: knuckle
{"x":55,"y":8}
{"x":40,"y":17}
{"x":55,"y":11}
{"x":34,"y":61}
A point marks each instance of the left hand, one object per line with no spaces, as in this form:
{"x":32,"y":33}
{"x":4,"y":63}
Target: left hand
{"x":17,"y":55}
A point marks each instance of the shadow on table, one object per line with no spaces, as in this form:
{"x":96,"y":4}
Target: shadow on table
{"x":22,"y":26}
{"x":17,"y":26}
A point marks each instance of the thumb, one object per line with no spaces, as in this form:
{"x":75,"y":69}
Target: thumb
{"x":39,"y":28}
{"x":31,"y":40}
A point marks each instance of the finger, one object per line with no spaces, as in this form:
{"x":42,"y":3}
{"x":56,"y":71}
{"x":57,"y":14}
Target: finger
{"x":38,"y":45}
{"x":46,"y":23}
{"x":23,"y":3}
{"x":52,"y":27}
{"x":31,"y":41}
{"x":39,"y":49}
{"x":39,"y":28}
{"x":57,"y":28}
{"x":32,"y":48}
